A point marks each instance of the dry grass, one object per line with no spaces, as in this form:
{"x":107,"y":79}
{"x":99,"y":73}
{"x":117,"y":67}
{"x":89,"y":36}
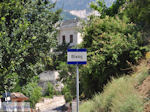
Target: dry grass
{"x":120,"y":95}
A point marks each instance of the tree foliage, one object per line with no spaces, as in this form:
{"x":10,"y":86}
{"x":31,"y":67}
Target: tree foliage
{"x":114,"y":42}
{"x":27,"y":32}
{"x":50,"y":90}
{"x":112,"y":45}
{"x":33,"y":92}
{"x":101,"y":7}
{"x":138,"y":12}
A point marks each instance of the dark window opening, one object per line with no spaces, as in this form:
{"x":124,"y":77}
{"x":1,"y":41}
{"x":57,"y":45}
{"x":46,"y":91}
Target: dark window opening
{"x":63,"y":39}
{"x":71,"y":38}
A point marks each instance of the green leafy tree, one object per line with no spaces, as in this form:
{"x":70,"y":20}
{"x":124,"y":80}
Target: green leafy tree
{"x":27,"y":32}
{"x":138,"y":12}
{"x":113,"y":46}
{"x":101,"y":7}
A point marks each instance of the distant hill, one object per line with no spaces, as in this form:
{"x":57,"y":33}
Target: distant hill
{"x":66,"y":15}
{"x":74,"y":6}
{"x":77,"y":4}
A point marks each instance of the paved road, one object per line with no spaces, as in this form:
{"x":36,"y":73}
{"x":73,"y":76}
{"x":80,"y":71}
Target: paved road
{"x":56,"y":105}
{"x":58,"y":109}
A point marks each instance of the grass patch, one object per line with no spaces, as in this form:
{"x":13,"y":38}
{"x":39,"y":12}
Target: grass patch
{"x":87,"y":106}
{"x":119,"y":96}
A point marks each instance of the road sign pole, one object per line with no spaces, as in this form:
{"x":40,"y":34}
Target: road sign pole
{"x":77,"y":86}
{"x":77,"y":57}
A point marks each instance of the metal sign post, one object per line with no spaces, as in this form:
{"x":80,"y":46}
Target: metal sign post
{"x":77,"y":85}
{"x":76,"y":57}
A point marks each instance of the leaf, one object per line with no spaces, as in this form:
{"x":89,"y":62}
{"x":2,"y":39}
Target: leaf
{"x":34,"y":37}
{"x":3,"y":18}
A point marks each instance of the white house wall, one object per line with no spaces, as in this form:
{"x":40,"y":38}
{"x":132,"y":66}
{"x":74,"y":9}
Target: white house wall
{"x":80,"y":39}
{"x":67,"y":32}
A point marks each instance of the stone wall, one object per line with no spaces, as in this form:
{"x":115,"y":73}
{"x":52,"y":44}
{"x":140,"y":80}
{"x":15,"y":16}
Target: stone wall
{"x":50,"y":76}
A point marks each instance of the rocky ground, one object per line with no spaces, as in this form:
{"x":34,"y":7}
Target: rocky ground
{"x":144,"y":89}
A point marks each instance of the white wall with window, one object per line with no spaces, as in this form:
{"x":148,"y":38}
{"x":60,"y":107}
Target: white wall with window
{"x":68,"y":33}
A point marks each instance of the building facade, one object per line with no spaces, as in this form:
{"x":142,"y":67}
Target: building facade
{"x":69,"y":32}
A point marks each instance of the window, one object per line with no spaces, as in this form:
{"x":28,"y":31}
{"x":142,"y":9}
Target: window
{"x":71,"y":38}
{"x":63,"y":39}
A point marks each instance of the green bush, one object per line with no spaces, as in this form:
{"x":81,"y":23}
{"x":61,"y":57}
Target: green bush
{"x":67,"y":94}
{"x":112,"y":44}
{"x":33,"y":92}
{"x":50,"y":91}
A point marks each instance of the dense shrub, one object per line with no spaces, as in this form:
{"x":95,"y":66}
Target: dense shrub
{"x":33,"y":91}
{"x":138,"y":12}
{"x":50,"y":91}
{"x":67,"y":94}
{"x":113,"y":45}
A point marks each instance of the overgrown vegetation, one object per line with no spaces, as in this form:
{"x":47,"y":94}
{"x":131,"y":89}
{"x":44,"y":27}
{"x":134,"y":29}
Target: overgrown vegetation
{"x":112,"y":44}
{"x":33,"y":92}
{"x":115,"y":41}
{"x":28,"y":30}
{"x":67,"y":93}
{"x":119,"y":95}
{"x":50,"y":91}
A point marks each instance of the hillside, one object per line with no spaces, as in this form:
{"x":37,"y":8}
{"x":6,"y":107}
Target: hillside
{"x":66,"y":15}
{"x":73,"y":4}
{"x":126,"y":94}
{"x":77,"y":4}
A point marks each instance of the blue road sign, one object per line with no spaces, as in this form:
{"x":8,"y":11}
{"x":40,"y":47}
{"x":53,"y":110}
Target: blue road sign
{"x":77,"y":56}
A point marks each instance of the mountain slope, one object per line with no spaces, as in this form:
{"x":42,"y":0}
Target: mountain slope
{"x":73,"y":4}
{"x":76,"y":8}
{"x":125,"y":94}
{"x":77,"y":4}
